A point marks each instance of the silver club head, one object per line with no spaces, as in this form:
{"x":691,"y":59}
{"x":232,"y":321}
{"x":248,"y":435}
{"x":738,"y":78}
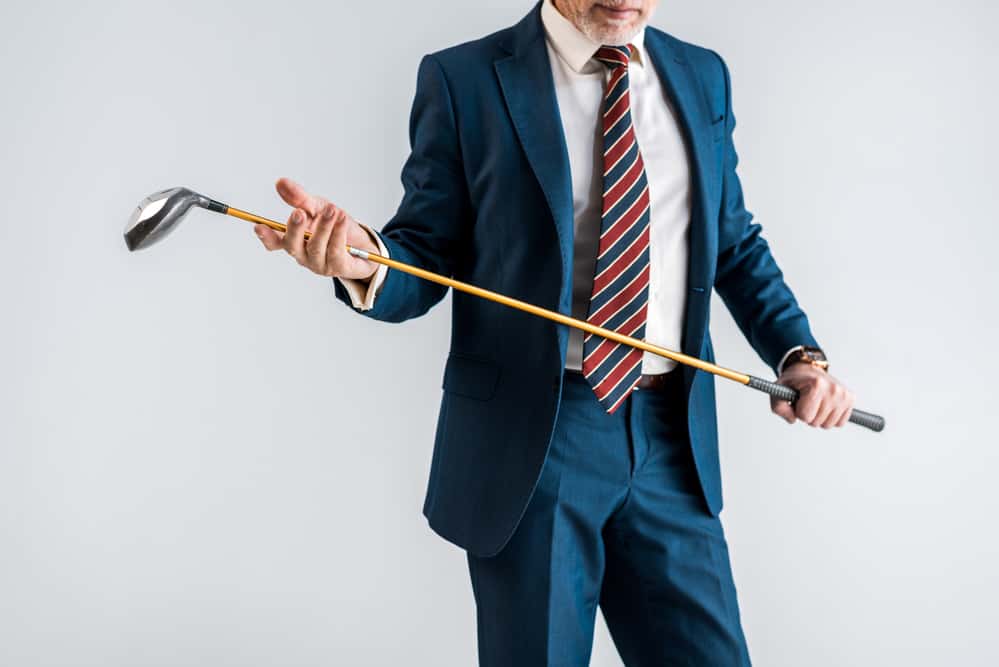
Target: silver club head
{"x":159,"y":213}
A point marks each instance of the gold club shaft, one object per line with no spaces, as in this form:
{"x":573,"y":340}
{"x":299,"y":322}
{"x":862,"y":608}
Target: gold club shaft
{"x":678,"y":357}
{"x":865,"y":419}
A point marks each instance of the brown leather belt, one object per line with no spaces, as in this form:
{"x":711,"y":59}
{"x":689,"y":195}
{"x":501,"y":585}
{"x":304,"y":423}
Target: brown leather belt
{"x":657,"y":382}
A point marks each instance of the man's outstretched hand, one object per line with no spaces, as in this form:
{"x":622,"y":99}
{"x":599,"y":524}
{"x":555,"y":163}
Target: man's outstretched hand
{"x":332,"y":231}
{"x":823,"y":401}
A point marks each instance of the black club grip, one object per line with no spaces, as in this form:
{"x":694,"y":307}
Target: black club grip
{"x":859,"y":417}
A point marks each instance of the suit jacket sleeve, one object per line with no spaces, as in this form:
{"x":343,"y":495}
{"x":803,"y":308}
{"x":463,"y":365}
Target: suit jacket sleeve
{"x":362,"y":294}
{"x":431,"y":222}
{"x":748,"y":278}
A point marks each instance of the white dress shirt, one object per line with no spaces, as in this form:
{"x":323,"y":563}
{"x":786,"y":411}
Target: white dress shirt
{"x":579,"y":89}
{"x":363,"y":295}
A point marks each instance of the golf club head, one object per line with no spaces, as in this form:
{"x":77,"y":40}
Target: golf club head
{"x":158,"y":214}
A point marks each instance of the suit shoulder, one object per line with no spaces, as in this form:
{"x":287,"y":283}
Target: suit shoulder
{"x":473,"y":55}
{"x":706,"y":62}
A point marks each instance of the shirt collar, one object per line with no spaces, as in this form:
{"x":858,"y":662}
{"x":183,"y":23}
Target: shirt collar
{"x":575,"y":48}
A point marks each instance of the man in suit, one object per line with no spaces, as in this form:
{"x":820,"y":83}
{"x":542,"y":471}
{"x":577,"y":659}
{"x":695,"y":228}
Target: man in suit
{"x":582,"y":162}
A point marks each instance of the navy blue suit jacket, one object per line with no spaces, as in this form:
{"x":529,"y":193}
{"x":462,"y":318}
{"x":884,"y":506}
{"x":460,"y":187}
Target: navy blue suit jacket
{"x":488,"y":200}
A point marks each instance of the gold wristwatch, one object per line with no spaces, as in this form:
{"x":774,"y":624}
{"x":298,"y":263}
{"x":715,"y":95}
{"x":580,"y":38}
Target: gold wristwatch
{"x":807,"y":354}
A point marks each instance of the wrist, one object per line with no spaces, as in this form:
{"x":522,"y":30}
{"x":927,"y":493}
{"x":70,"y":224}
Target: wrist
{"x":805,"y":354}
{"x":369,"y":244}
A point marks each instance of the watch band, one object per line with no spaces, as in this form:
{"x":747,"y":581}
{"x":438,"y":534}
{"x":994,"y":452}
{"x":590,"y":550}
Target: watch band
{"x":783,"y":360}
{"x":804,"y":354}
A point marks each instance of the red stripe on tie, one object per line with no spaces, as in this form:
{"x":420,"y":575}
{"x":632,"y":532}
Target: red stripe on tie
{"x":607,"y":385}
{"x":616,"y":112}
{"x":610,"y":274}
{"x":606,"y":346}
{"x":611,"y":57}
{"x":612,"y":83}
{"x":628,"y":305}
{"x":619,"y":149}
{"x":623,"y":224}
{"x":619,"y":189}
{"x":620,"y":299}
{"x":624,"y":294}
{"x":624,"y":395}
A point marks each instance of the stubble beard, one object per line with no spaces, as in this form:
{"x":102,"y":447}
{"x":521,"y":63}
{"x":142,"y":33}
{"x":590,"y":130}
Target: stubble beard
{"x":605,"y":35}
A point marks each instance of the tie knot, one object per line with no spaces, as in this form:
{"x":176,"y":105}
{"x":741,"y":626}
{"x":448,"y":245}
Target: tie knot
{"x":615,"y":56}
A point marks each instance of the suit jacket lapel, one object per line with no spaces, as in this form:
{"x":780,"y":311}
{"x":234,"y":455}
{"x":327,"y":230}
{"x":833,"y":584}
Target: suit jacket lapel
{"x":529,"y":92}
{"x":525,"y":78}
{"x":682,"y":86}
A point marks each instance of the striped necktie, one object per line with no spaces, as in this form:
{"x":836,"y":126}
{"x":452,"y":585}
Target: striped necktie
{"x":619,"y":297}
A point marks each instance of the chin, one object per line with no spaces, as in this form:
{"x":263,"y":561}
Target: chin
{"x":614,"y":35}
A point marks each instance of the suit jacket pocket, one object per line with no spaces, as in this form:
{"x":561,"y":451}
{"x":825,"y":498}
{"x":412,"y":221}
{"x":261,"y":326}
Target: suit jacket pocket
{"x":470,"y":376}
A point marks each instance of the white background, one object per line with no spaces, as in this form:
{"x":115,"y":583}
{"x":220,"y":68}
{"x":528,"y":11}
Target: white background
{"x":207,"y":460}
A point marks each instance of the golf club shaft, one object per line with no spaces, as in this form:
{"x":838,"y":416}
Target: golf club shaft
{"x":866,"y":419}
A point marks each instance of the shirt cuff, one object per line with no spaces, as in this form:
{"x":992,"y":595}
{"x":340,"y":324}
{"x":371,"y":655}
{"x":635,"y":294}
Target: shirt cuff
{"x":362,"y":296}
{"x":780,"y":366}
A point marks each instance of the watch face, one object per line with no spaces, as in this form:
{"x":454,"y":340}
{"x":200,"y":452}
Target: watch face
{"x":814,"y":353}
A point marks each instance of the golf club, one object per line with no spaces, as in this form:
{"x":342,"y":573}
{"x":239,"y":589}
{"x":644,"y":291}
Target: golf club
{"x":159,"y":214}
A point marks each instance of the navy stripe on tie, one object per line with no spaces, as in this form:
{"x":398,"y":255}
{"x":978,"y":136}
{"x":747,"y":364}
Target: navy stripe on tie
{"x":620,"y":292}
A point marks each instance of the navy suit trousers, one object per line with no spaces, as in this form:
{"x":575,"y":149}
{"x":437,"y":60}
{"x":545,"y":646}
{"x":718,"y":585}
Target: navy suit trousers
{"x":617,"y":519}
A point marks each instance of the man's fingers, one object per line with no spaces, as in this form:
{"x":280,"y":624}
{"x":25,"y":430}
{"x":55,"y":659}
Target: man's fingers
{"x":327,"y":226}
{"x":845,"y":417}
{"x":835,"y":417}
{"x":336,"y":250}
{"x":823,"y":401}
{"x":807,"y":406}
{"x":271,"y":238}
{"x":294,"y":238}
{"x":847,"y":409}
{"x":832,"y":416}
{"x":295,"y":195}
{"x":826,"y":411}
{"x":783,"y":409}
{"x":315,"y":248}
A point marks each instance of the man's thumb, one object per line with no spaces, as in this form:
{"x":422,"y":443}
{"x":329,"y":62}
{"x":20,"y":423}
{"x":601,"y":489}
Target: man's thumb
{"x":295,"y":195}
